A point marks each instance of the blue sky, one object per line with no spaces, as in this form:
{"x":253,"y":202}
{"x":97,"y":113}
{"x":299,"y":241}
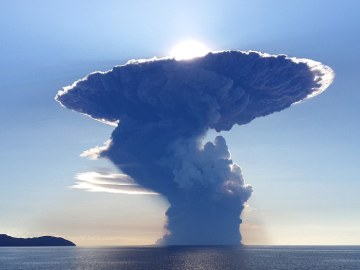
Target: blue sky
{"x":302,"y":162}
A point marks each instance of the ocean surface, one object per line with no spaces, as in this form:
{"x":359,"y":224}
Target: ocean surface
{"x":182,"y":258}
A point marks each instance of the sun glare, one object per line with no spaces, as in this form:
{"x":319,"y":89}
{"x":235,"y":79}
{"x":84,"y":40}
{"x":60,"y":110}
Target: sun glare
{"x":189,"y":49}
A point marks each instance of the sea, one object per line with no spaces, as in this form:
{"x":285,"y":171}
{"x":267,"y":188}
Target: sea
{"x":181,"y":258}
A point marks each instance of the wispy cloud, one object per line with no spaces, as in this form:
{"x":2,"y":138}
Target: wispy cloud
{"x":95,"y":152}
{"x":109,"y":182}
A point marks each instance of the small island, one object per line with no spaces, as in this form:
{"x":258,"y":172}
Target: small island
{"x":43,"y":241}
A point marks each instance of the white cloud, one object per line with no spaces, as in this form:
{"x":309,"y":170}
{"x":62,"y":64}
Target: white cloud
{"x":94,"y":153}
{"x":109,"y":182}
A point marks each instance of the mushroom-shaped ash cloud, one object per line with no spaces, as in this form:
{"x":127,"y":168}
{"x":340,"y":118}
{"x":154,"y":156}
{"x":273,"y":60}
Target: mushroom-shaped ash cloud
{"x":162,"y":109}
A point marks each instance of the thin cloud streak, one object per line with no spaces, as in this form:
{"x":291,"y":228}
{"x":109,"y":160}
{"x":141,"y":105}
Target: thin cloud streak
{"x":109,"y":182}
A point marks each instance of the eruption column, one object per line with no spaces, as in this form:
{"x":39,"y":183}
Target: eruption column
{"x":163,"y":108}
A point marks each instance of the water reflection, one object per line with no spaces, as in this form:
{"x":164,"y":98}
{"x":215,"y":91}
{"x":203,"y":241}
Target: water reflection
{"x":181,"y":258}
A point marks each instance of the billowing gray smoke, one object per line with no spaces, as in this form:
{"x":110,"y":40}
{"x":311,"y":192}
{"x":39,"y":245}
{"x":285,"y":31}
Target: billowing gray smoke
{"x":163,"y":109}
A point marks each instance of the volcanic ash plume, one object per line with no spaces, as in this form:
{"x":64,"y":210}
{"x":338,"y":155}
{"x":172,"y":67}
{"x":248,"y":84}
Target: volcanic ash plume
{"x":162,"y":110}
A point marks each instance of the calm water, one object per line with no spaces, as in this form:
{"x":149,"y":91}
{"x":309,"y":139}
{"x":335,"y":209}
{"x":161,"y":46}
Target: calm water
{"x":250,"y":257}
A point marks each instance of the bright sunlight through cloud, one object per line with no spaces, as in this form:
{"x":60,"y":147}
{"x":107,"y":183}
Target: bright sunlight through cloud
{"x":189,"y":49}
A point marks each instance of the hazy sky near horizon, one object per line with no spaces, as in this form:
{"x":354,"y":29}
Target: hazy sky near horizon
{"x":303,"y":162}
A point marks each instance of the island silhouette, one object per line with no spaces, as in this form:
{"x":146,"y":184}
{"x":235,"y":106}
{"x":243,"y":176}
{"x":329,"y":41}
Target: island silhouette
{"x":43,"y":241}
